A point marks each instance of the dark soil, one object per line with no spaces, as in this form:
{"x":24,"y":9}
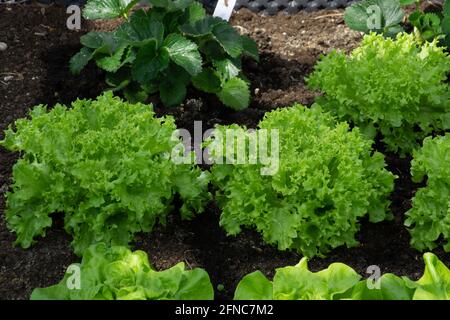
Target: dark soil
{"x":34,"y":70}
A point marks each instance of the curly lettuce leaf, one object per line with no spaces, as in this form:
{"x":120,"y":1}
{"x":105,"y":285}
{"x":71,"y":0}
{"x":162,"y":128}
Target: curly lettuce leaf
{"x":326,"y":180}
{"x":397,"y":86}
{"x":429,"y":218}
{"x":103,"y":164}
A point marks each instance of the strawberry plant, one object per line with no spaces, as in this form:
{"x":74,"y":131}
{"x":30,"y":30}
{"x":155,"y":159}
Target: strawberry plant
{"x":430,"y":25}
{"x":328,"y":177}
{"x":394,"y":87}
{"x":104,"y":165}
{"x":116,"y":273}
{"x":339,"y":281}
{"x":380,"y":16}
{"x":165,"y":49}
{"x":429,"y":217}
{"x":386,"y":16}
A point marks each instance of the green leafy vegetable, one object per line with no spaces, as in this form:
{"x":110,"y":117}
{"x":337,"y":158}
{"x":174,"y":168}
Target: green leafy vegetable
{"x":386,"y":16}
{"x":435,"y":282}
{"x":298,"y":283}
{"x":235,"y":93}
{"x":380,"y":16}
{"x":394,"y":87}
{"x":166,"y":49}
{"x":116,"y":273}
{"x":428,"y":26}
{"x":431,"y":25}
{"x":105,"y":165}
{"x":429,"y":217}
{"x":339,"y":281}
{"x":108,"y":9}
{"x":325,"y":178}
{"x":446,"y":23}
{"x":390,"y":287}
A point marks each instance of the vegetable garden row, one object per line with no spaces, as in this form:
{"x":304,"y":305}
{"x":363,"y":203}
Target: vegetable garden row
{"x":105,"y":167}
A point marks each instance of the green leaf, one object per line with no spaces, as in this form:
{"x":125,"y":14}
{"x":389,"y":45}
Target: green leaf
{"x":145,"y":27}
{"x":107,"y":9}
{"x":172,"y":93}
{"x":389,"y":287}
{"x":394,"y":288}
{"x":56,"y":292}
{"x":446,"y":9}
{"x":446,"y":25}
{"x":392,"y":32}
{"x":80,"y":60}
{"x":250,"y":48}
{"x":339,"y":279}
{"x":207,"y":81}
{"x":171,"y":5}
{"x":103,"y":42}
{"x":113,"y":62}
{"x":229,"y":39}
{"x":202,"y":27}
{"x":195,"y":12}
{"x":149,"y":63}
{"x":374,"y":15}
{"x":95,"y":40}
{"x":226,"y":69}
{"x":235,"y":94}
{"x":195,"y":285}
{"x":435,"y":282}
{"x":116,"y":273}
{"x":414,"y":18}
{"x":298,"y":283}
{"x":140,"y":30}
{"x":254,"y":286}
{"x":213,"y":50}
{"x":184,"y":53}
{"x":134,"y":93}
{"x":120,"y":79}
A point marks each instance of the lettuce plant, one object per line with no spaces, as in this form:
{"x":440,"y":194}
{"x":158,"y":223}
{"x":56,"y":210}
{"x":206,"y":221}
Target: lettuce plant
{"x":165,"y":49}
{"x":298,"y":283}
{"x":339,"y":281}
{"x":116,"y":273}
{"x":435,"y":281}
{"x":433,"y":285}
{"x":328,"y":177}
{"x":104,"y":165}
{"x":429,"y":217}
{"x":392,"y":87}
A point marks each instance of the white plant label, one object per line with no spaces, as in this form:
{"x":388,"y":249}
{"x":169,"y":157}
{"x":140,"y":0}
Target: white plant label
{"x":224,"y":9}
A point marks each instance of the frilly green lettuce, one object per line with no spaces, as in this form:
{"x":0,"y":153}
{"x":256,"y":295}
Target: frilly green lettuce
{"x":429,"y":217}
{"x":328,"y":178}
{"x":394,"y":87}
{"x":103,"y":164}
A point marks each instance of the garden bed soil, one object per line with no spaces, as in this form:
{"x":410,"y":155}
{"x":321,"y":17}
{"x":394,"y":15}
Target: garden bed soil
{"x":34,"y":70}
